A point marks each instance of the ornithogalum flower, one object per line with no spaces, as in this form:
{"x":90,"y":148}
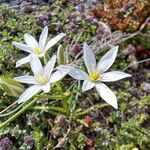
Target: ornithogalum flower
{"x":41,"y":80}
{"x":96,"y":74}
{"x":37,"y":48}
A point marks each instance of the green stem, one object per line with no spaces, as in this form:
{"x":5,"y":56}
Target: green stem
{"x":86,"y":111}
{"x":12,"y":112}
{"x":63,"y":100}
{"x":4,"y":124}
{"x":49,"y":97}
{"x":46,"y":58}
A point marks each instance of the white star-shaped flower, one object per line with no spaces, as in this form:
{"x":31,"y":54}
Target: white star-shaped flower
{"x":42,"y":78}
{"x":96,"y":74}
{"x":37,"y":48}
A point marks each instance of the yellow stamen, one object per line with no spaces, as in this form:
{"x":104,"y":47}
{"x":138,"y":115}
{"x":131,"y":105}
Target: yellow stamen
{"x":42,"y":79}
{"x":94,"y":75}
{"x":38,"y":50}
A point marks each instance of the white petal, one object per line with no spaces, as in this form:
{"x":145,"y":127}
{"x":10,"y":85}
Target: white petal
{"x":54,"y":40}
{"x":28,"y":93}
{"x":43,"y":37}
{"x":107,"y":94}
{"x":114,"y":76}
{"x":50,"y":66}
{"x":26,"y":79}
{"x":65,"y":67}
{"x":23,"y":47}
{"x":89,"y":58}
{"x":107,"y":60}
{"x":78,"y":74}
{"x":30,"y":40}
{"x":46,"y":87}
{"x":23,"y":61}
{"x":87,"y":85}
{"x":58,"y":75}
{"x":36,"y":65}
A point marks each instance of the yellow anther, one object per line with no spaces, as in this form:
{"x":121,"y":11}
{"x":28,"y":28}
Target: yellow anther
{"x":42,"y":79}
{"x":94,"y":75}
{"x":38,"y":50}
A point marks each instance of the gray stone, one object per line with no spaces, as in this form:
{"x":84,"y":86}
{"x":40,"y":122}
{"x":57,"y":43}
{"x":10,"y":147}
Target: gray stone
{"x":146,"y":87}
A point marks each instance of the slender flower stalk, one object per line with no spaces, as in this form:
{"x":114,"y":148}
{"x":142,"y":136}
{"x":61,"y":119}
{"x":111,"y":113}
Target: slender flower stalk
{"x":17,"y":114}
{"x":96,"y":74}
{"x":42,"y":78}
{"x":37,"y":48}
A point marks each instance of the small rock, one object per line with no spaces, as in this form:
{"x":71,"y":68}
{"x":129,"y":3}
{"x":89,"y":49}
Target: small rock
{"x":146,"y":87}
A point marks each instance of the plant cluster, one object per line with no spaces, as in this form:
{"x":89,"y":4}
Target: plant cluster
{"x":126,"y":15}
{"x":67,"y":117}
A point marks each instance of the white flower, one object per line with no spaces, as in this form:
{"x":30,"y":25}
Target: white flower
{"x":37,"y":48}
{"x":96,"y":74}
{"x":41,"y":80}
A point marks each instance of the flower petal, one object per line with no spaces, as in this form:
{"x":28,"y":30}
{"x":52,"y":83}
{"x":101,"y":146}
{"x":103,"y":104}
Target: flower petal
{"x":50,"y":66}
{"x":54,"y":40}
{"x":26,"y":79}
{"x":58,"y":75}
{"x":31,"y":41}
{"x":114,"y":76}
{"x":36,"y":65}
{"x":65,"y":67}
{"x":46,"y":87}
{"x":89,"y":58}
{"x":23,"y":61}
{"x":43,"y":37}
{"x":28,"y":93}
{"x":107,"y":94}
{"x":87,"y":85}
{"x":23,"y":47}
{"x":78,"y":74}
{"x":107,"y":60}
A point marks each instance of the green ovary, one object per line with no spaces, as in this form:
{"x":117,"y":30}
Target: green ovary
{"x":42,"y":79}
{"x":38,"y":50}
{"x":94,"y":75}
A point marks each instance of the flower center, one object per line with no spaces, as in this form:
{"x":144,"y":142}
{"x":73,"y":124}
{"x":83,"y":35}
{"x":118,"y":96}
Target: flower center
{"x":94,"y":75}
{"x":38,"y":50}
{"x":42,"y":79}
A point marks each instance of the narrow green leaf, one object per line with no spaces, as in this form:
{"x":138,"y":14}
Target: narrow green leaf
{"x":11,"y":87}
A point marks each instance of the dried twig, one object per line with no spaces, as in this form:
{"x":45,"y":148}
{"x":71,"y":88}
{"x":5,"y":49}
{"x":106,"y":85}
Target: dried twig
{"x":17,"y":6}
{"x":8,"y":107}
{"x":135,"y":63}
{"x":137,"y":32}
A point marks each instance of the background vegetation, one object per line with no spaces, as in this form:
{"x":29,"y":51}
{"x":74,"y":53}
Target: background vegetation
{"x":99,"y":128}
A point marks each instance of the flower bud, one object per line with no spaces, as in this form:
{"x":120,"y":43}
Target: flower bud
{"x":61,"y":55}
